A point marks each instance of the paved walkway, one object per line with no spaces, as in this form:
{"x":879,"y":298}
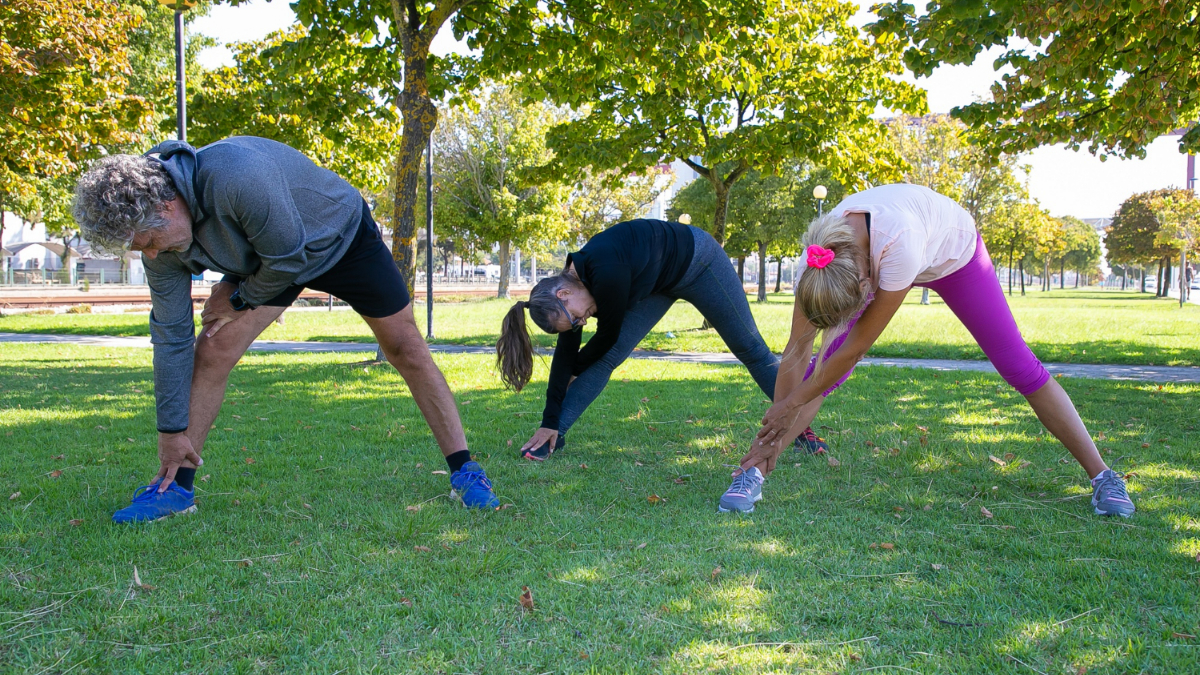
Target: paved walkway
{"x":1099,"y":372}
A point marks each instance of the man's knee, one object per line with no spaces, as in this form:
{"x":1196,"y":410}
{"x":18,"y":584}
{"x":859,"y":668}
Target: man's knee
{"x":218,"y":352}
{"x":406,"y":349}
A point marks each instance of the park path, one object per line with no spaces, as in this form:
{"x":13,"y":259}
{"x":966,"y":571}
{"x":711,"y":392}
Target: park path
{"x":1084,"y":370}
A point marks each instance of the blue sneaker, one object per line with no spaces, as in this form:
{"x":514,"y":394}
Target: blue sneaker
{"x":1109,"y":497}
{"x":743,"y":493}
{"x":471,"y":485}
{"x":150,"y":505}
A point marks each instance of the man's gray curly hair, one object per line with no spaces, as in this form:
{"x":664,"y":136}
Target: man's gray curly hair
{"x":119,"y":196}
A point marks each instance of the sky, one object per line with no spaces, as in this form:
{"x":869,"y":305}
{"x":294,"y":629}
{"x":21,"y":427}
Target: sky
{"x":1065,"y":182}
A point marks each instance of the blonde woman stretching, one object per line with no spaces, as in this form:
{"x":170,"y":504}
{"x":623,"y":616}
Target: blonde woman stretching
{"x":862,"y":259}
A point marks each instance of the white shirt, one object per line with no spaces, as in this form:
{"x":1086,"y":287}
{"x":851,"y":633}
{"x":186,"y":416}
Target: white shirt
{"x":917,"y":235}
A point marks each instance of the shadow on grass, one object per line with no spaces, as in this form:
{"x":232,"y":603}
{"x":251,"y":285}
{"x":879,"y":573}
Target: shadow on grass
{"x":622,"y":582}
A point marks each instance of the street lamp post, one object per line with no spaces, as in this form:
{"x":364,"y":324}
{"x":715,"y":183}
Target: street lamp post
{"x":819,"y":194}
{"x":180,"y":6}
{"x":429,"y":240}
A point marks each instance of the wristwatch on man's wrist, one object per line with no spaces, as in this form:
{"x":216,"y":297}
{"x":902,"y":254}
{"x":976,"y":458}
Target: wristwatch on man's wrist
{"x":238,"y":303}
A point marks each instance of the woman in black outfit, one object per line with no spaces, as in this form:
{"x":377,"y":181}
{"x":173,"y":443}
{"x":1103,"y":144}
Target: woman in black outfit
{"x":627,"y":277}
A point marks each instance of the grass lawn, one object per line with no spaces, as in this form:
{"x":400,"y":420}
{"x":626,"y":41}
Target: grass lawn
{"x":325,"y":542}
{"x":1061,"y":326}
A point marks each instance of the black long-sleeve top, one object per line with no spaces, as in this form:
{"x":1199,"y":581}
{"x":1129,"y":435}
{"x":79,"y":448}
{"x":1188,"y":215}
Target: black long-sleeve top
{"x":621,"y":266}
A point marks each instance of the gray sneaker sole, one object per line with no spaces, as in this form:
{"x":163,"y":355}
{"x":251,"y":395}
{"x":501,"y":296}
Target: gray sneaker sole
{"x":1117,"y":513}
{"x":722,"y":509}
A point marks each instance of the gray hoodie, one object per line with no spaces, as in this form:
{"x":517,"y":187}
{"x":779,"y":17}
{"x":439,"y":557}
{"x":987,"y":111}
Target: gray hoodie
{"x":261,"y":211}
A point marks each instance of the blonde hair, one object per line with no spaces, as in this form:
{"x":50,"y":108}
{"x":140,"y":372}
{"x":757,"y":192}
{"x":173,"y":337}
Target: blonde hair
{"x":830,"y":296}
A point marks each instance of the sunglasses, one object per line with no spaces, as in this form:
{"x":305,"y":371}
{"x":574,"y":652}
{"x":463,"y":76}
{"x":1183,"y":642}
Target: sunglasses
{"x":576,"y":324}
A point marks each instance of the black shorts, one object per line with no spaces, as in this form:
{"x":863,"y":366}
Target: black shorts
{"x":365,"y":277}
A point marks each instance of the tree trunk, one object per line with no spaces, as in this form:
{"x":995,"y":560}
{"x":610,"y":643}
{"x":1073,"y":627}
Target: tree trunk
{"x":1010,"y":271}
{"x":1021,"y":265}
{"x":1062,"y":274}
{"x":762,"y":271}
{"x":1158,"y":280}
{"x":721,"y":211}
{"x":742,"y":269}
{"x":1046,"y":274}
{"x":505,"y":268}
{"x":778,"y":273}
{"x":420,"y":117}
{"x":1168,"y":276}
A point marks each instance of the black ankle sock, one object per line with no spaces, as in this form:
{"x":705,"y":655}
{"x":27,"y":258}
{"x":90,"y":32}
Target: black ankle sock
{"x":185,"y":478}
{"x":457,"y":459}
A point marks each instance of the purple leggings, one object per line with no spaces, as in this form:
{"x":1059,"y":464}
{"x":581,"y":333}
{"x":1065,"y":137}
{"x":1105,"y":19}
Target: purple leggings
{"x":974,"y":295}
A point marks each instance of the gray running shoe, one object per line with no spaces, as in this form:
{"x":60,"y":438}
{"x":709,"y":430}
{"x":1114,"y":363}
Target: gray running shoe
{"x":743,"y":493}
{"x":1109,"y":495}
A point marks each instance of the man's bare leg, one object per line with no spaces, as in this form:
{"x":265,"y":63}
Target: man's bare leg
{"x":405,"y":349}
{"x":215,"y":358}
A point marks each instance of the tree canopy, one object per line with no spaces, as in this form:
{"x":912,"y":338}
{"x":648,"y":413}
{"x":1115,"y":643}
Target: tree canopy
{"x":64,"y":71}
{"x":1109,"y":76}
{"x":329,"y":108}
{"x":725,"y":87}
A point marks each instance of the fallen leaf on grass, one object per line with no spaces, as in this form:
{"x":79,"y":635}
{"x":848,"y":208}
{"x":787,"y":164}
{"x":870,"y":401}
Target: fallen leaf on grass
{"x":263,"y":419}
{"x":1145,"y":445}
{"x":923,"y":429}
{"x":422,"y":549}
{"x":236,"y":417}
{"x":249,"y":460}
{"x":715,"y":573}
{"x":56,"y":473}
{"x":510,"y":442}
{"x":833,"y":461}
{"x":583,"y":655}
{"x":855,"y":657}
{"x":997,"y":460}
{"x":1197,"y":555}
{"x":246,"y":563}
{"x":412,"y":508}
{"x":894,"y":451}
{"x":17,"y":495}
{"x":1101,"y":437}
{"x":307,"y":506}
{"x":1024,"y":464}
{"x":137,"y":581}
{"x":59,"y":457}
{"x":583,"y":466}
{"x":504,"y":506}
{"x":936,"y":567}
{"x":645,"y":400}
{"x":654,"y":499}
{"x":406,"y":602}
{"x":638,"y":464}
{"x":1129,"y":475}
{"x":927,"y":507}
{"x":355,"y":428}
{"x":237,"y":502}
{"x":1008,"y":457}
{"x":887,"y":546}
{"x":640,"y":546}
{"x":1183,"y":636}
{"x":76,"y":522}
{"x":439,"y":473}
{"x":680,"y":481}
{"x":984,"y":512}
{"x":526,"y":599}
{"x":1081,"y":670}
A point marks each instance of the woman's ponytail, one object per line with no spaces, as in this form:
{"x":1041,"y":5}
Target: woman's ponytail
{"x":514,"y":350}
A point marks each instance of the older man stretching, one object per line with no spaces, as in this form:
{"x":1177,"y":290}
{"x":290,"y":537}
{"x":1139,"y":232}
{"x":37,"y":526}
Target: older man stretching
{"x":274,"y":223}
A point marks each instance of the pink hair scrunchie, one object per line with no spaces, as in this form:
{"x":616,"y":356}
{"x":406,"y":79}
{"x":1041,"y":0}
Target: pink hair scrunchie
{"x":819,"y":256}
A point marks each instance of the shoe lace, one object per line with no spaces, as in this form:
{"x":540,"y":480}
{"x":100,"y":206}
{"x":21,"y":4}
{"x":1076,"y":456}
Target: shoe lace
{"x":472,"y":478}
{"x":145,"y":493}
{"x":742,"y":483}
{"x":1113,"y":486}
